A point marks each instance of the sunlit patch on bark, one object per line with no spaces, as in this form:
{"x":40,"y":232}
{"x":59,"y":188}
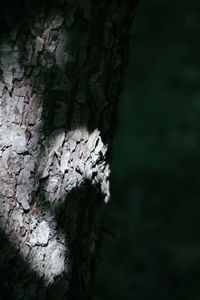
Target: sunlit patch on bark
{"x":67,"y":160}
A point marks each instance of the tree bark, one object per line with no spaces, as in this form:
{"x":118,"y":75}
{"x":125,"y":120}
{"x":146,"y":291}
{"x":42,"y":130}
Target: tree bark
{"x":61,"y":68}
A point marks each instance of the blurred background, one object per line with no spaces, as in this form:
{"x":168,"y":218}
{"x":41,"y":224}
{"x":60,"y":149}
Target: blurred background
{"x":155,"y":208}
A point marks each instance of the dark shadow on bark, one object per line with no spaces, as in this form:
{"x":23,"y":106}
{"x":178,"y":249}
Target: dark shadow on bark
{"x":77,"y":219}
{"x":81,"y":214}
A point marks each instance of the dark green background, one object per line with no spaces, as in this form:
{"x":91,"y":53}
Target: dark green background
{"x":155,"y":208}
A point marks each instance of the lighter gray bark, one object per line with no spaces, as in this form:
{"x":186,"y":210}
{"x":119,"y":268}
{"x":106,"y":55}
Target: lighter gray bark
{"x":61,"y":68}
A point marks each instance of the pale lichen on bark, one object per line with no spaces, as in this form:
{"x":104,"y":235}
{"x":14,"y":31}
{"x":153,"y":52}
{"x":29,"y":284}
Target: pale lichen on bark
{"x":61,"y":66}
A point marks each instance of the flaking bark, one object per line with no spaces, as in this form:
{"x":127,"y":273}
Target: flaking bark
{"x":61,"y":67}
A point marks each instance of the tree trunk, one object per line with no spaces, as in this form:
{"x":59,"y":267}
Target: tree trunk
{"x":61,"y":67}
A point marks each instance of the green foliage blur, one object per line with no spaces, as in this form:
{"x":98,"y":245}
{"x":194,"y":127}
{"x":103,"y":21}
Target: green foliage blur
{"x":155,"y":207}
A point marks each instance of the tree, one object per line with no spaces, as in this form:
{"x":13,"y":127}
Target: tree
{"x":61,"y":67}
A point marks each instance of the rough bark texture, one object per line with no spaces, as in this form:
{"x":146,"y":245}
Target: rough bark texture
{"x":61,"y":64}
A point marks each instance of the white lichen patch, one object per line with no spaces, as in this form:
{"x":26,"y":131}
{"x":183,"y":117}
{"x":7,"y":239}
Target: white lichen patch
{"x":13,"y":136}
{"x":57,"y":262}
{"x":42,"y":232}
{"x":40,"y":235}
